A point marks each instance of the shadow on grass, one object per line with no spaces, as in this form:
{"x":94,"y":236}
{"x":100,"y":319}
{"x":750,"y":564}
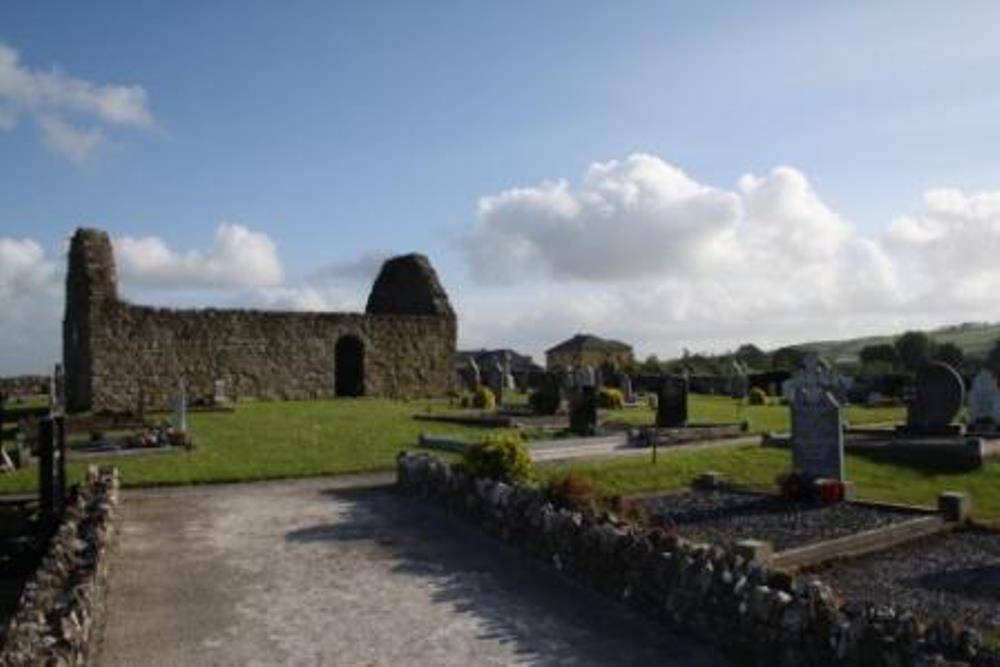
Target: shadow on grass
{"x":515,"y":600}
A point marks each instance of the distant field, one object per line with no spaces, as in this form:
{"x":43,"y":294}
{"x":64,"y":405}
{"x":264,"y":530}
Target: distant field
{"x":975,"y":341}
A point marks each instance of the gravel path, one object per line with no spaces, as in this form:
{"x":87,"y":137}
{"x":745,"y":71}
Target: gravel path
{"x":318,"y":572}
{"x":954,"y":576}
{"x":726,"y":517}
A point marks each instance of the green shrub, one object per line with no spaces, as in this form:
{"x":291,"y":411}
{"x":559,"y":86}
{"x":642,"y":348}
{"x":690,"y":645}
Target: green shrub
{"x":484,"y":399}
{"x":757,"y":396}
{"x":610,"y":398}
{"x":465,"y":401}
{"x":501,"y":457}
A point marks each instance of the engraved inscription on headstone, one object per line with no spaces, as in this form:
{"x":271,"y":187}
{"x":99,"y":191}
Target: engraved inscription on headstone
{"x":817,"y":434}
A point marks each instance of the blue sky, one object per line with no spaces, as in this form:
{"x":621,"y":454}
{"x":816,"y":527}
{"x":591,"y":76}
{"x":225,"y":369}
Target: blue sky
{"x":341,"y":131}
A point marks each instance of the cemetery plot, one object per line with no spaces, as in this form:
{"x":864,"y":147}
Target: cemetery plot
{"x":954,"y":576}
{"x":931,"y":438}
{"x":729,"y":516}
{"x":21,"y":546}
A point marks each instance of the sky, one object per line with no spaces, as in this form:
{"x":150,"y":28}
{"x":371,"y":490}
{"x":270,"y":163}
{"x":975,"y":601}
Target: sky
{"x":675,"y":175}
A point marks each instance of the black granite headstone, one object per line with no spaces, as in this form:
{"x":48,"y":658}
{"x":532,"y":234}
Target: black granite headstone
{"x":671,"y":407}
{"x":583,"y":411}
{"x":938,"y":395}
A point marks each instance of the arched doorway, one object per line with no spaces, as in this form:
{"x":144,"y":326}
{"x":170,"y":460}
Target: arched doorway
{"x":349,"y":367}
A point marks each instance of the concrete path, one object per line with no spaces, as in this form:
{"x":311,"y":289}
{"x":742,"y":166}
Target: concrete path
{"x":327,"y":572}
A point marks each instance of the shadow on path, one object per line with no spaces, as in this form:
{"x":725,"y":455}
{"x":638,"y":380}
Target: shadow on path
{"x":516,"y":600}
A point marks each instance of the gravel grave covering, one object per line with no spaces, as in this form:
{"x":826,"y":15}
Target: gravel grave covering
{"x":725,"y":517}
{"x":954,"y":576}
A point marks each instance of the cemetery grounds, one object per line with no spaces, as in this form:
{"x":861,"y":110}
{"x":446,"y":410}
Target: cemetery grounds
{"x":273,"y":440}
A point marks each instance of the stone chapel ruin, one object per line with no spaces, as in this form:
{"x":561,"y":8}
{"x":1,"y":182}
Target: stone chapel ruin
{"x":119,"y":356}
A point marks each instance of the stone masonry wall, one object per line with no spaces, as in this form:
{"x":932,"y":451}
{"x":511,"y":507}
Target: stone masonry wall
{"x":755,"y":615}
{"x":117,"y":355}
{"x":266,"y":355}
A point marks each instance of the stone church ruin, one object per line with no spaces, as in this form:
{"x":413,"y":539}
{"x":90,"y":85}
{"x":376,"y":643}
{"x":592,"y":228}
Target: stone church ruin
{"x":119,"y":356}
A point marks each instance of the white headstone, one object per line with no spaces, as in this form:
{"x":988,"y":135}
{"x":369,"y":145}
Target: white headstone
{"x":219,"y":394}
{"x":984,"y":399}
{"x":180,"y":410}
{"x":817,"y":433}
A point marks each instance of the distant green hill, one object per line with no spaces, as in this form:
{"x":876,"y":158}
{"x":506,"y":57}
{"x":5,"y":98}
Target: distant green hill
{"x":975,"y":339}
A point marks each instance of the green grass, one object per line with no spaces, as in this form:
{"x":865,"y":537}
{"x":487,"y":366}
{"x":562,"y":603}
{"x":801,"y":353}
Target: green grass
{"x":274,"y":440}
{"x":762,"y":418}
{"x":756,"y":466}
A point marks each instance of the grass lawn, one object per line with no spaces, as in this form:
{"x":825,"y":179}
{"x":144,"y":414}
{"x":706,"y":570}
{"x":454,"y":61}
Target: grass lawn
{"x":273,"y":440}
{"x":759,"y":466}
{"x":762,"y":418}
{"x":268,"y":440}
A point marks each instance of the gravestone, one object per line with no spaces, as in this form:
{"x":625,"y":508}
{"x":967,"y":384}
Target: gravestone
{"x":671,"y":406}
{"x":938,"y":396}
{"x":583,"y":411}
{"x":494,"y":380}
{"x":984,"y":401}
{"x":625,"y":384}
{"x":219,"y":396}
{"x":583,"y":376}
{"x":739,"y":382}
{"x":51,"y":467}
{"x":474,"y":378}
{"x":548,"y":398}
{"x":180,"y":409}
{"x":817,"y":432}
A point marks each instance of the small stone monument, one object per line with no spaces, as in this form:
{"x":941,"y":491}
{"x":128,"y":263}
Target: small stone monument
{"x":57,"y":390}
{"x":583,"y":411}
{"x":817,"y":433}
{"x":739,"y":381}
{"x":584,"y":377}
{"x":938,"y":395}
{"x":508,"y":377}
{"x":984,"y":402}
{"x":219,"y":396}
{"x":671,"y":406}
{"x":494,"y":380}
{"x":625,"y":384}
{"x":548,"y":398}
{"x":180,"y":409}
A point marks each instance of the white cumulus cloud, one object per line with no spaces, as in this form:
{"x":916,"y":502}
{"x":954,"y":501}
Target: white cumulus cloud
{"x":641,"y":251}
{"x":239,"y":258}
{"x":30,"y":307}
{"x":51,"y":97}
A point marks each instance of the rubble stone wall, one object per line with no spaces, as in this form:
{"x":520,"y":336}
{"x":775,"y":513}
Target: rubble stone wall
{"x":58,"y":610}
{"x":755,"y":615}
{"x":118,"y":355}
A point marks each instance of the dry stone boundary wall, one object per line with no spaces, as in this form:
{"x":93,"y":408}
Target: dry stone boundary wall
{"x":754,"y":614}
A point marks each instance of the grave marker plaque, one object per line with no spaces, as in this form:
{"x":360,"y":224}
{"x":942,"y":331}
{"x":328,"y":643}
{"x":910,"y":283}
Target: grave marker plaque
{"x":671,"y":406}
